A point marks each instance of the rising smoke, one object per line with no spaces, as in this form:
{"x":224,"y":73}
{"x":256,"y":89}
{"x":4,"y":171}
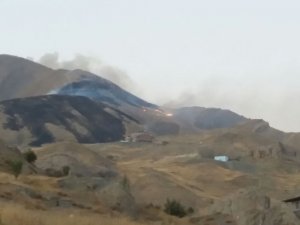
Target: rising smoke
{"x":91,"y":64}
{"x":261,"y":99}
{"x":266,"y":97}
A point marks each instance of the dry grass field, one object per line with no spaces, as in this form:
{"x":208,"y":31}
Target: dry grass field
{"x":182,"y":169}
{"x":17,"y":215}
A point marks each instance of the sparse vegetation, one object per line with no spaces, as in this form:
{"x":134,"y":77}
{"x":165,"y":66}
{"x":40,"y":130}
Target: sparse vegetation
{"x":190,"y":210}
{"x":16,"y":167}
{"x":125,"y":183}
{"x":175,"y":208}
{"x":66,"y":170}
{"x":17,"y":215}
{"x":30,"y":156}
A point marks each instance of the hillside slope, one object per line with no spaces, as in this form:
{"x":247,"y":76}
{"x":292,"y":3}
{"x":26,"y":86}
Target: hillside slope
{"x":9,"y":154}
{"x":198,"y":118}
{"x":46,"y":119}
{"x":21,"y":78}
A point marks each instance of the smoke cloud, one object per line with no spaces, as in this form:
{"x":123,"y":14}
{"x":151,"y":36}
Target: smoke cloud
{"x":91,"y":64}
{"x":268,"y":96}
{"x":274,"y":102}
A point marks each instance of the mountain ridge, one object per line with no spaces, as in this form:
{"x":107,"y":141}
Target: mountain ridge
{"x":23,"y":78}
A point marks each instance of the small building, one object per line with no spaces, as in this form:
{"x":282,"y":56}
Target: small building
{"x":141,"y":137}
{"x":222,"y":158}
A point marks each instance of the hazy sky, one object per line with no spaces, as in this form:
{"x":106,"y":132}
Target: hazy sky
{"x":239,"y":55}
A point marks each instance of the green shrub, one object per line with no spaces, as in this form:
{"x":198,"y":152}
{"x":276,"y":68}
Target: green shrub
{"x":174,"y":208}
{"x":16,"y":167}
{"x":30,"y":156}
{"x":190,"y":210}
{"x":66,"y":170}
{"x":125,"y":183}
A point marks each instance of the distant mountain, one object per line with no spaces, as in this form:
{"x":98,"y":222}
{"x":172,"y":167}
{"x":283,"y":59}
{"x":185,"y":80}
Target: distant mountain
{"x":46,"y":119}
{"x":199,"y":118}
{"x":20,"y":78}
{"x":100,"y":90}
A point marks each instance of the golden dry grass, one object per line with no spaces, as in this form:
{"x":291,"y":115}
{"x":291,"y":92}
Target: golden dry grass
{"x":12,"y":214}
{"x":156,"y":172}
{"x":37,"y":182}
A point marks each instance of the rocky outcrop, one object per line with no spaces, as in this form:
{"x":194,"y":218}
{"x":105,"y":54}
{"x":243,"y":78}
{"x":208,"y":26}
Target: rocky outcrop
{"x":251,"y":207}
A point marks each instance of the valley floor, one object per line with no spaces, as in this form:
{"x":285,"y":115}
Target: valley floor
{"x":129,"y":183}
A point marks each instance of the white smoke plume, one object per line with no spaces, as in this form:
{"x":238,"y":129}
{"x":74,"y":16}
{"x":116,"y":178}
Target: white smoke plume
{"x":275,"y":103}
{"x":91,"y":64}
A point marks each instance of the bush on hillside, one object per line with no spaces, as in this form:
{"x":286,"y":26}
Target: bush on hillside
{"x":175,"y":208}
{"x":16,"y":167}
{"x":190,"y":210}
{"x":66,"y":170}
{"x":30,"y":156}
{"x":125,"y":183}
